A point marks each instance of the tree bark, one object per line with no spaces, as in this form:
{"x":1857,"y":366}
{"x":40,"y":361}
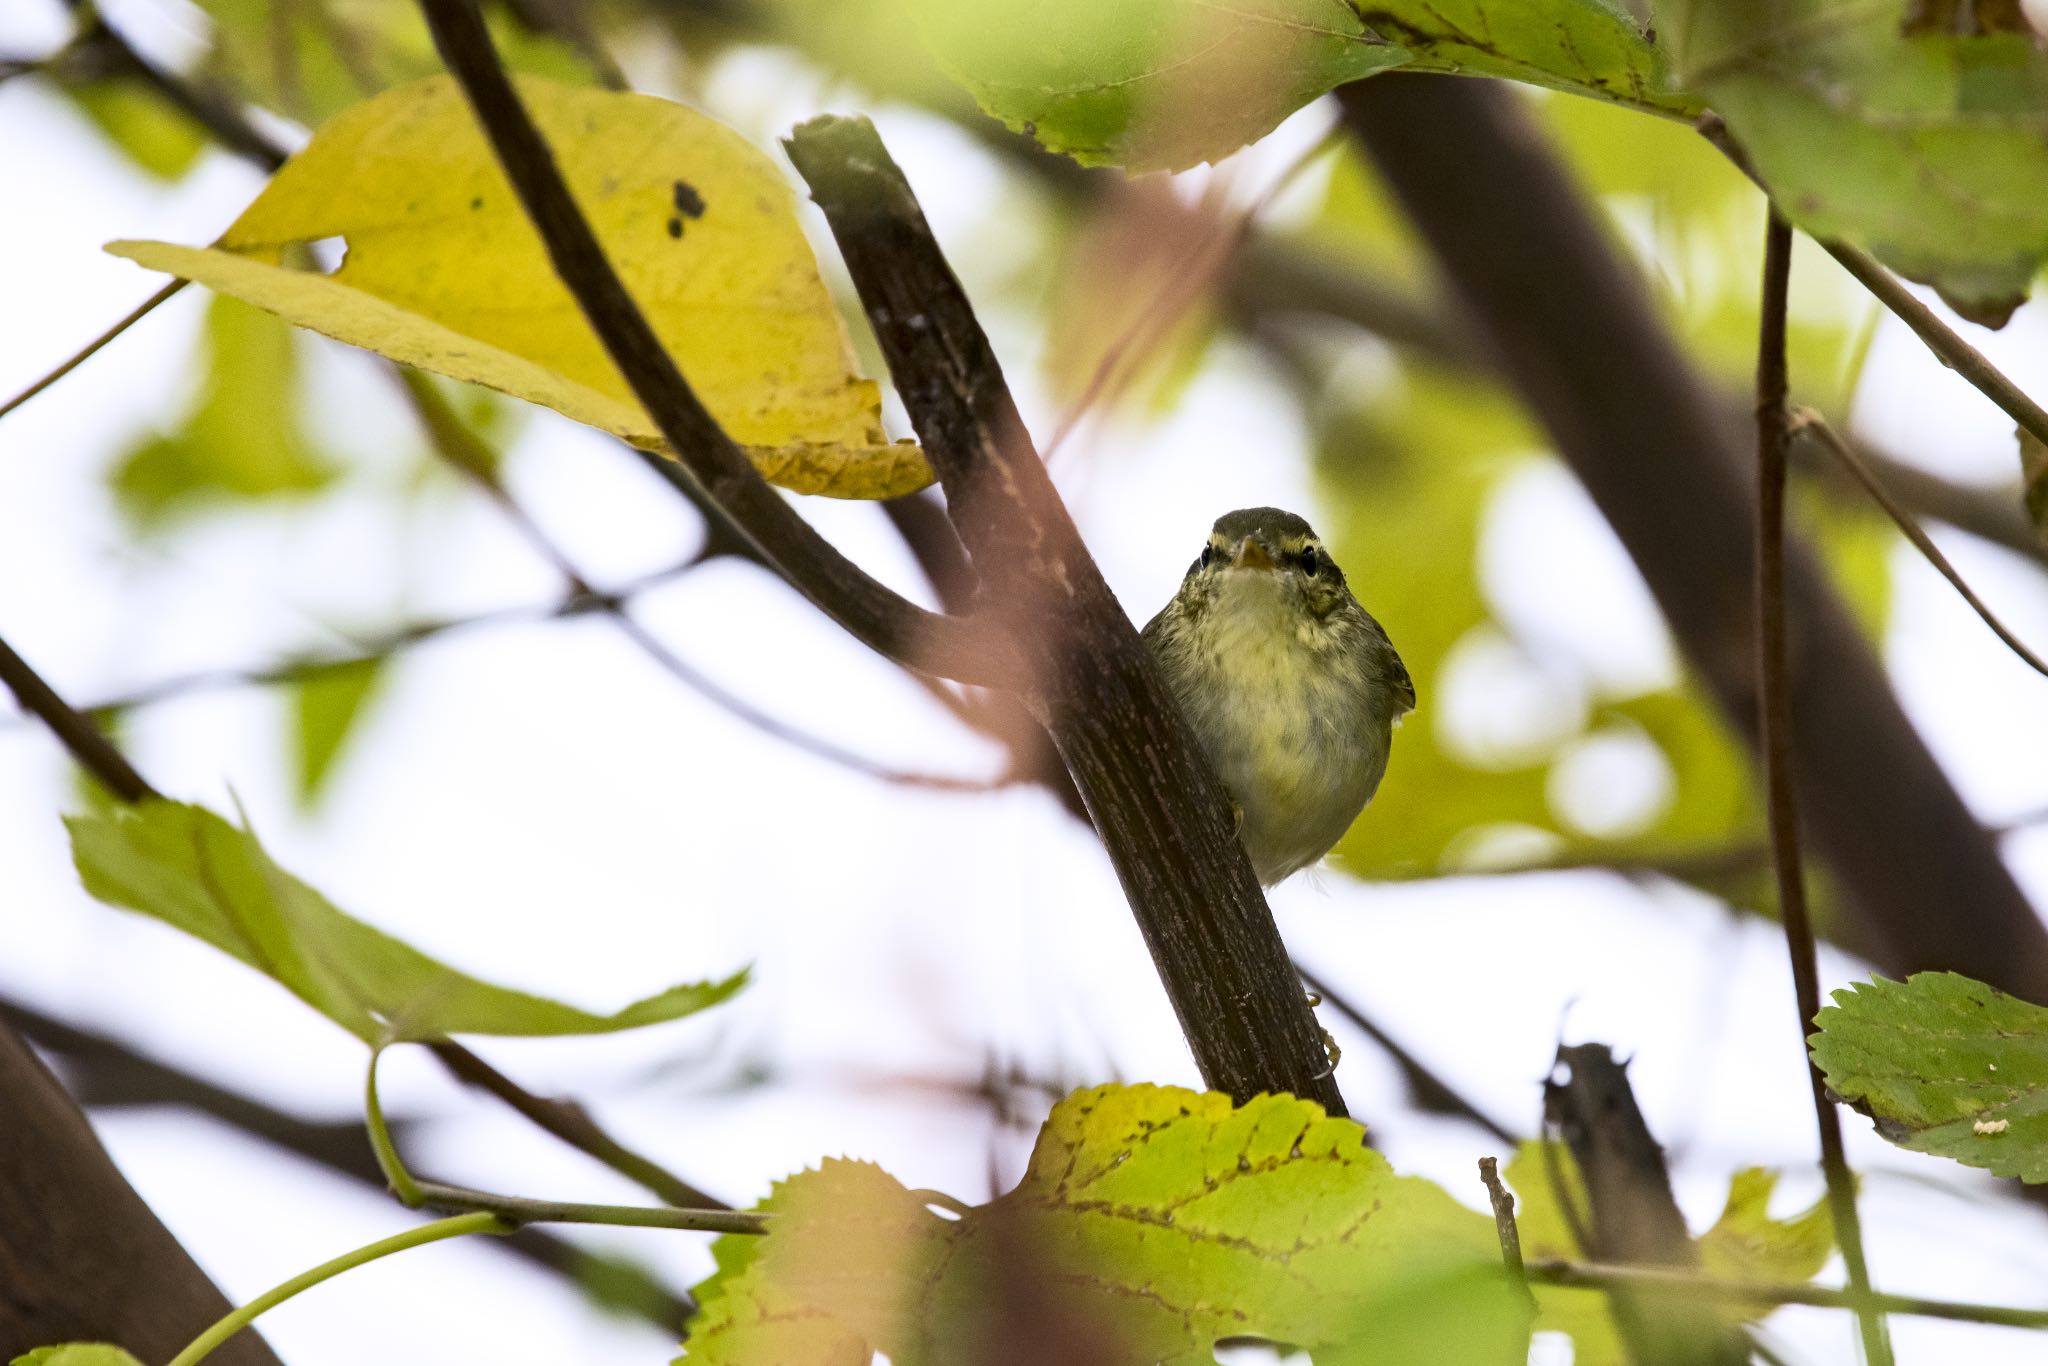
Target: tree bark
{"x":82,"y":1258}
{"x":1573,"y":331}
{"x":1159,"y":809}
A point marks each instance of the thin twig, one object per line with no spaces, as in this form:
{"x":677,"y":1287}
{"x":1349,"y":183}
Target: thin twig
{"x":1504,"y":1225}
{"x":462,"y":448}
{"x":99,"y":757}
{"x":94,"y":752}
{"x":87,"y":352}
{"x":374,"y":648}
{"x":1808,"y":421}
{"x":1944,"y":341}
{"x":1774,"y":711}
{"x":572,"y":1124}
{"x":1602,"y":1276}
{"x":1175,"y":293}
{"x":1430,"y":1090}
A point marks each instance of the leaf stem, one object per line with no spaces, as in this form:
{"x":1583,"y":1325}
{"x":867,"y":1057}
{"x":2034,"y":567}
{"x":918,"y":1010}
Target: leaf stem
{"x":92,"y":347}
{"x":1774,"y":716}
{"x":517,"y":1209}
{"x":240,"y":1318}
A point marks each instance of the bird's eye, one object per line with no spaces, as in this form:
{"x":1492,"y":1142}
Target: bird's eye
{"x":1208,"y":555}
{"x":1311,"y":563}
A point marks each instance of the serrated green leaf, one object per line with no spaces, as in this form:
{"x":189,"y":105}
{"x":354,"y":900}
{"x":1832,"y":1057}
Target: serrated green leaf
{"x":245,"y":436}
{"x":1152,"y":1220}
{"x":1945,"y":1065}
{"x":444,"y":272}
{"x":1164,"y":84}
{"x":187,"y":867}
{"x":326,"y":705}
{"x":1931,"y":151}
{"x":77,"y":1354}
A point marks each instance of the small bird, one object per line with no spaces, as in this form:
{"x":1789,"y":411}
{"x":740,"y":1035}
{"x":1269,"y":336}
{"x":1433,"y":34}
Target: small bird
{"x":1291,"y":686}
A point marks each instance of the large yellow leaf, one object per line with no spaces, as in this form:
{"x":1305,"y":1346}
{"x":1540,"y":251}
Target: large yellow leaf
{"x":444,"y":272}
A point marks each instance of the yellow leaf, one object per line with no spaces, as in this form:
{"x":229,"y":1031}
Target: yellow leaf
{"x":444,"y":272}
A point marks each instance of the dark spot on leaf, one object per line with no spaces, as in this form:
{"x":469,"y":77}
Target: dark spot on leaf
{"x":688,"y":202}
{"x":675,"y":227}
{"x":477,"y":203}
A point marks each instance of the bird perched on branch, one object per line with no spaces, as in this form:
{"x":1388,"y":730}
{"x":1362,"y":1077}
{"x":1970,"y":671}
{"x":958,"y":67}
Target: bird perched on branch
{"x":1291,"y":686}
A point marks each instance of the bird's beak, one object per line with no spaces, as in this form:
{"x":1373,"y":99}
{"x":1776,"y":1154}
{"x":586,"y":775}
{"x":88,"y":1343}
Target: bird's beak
{"x":1252,"y":554}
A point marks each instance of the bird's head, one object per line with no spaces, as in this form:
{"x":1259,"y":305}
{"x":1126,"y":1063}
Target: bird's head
{"x":1265,"y":555}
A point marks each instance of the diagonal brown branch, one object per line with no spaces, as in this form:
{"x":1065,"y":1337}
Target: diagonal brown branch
{"x":1159,"y":809}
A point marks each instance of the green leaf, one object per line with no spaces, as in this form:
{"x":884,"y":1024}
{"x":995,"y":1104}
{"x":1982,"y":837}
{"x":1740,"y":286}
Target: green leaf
{"x":187,"y":867}
{"x":1153,"y":1218}
{"x":1164,"y":84}
{"x":243,"y":438}
{"x":444,"y":272}
{"x":76,"y":1354}
{"x":1931,"y":151}
{"x":1945,"y":1065}
{"x":326,"y":704}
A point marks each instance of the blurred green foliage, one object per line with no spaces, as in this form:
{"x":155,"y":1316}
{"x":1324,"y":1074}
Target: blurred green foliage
{"x":326,"y":705}
{"x":246,"y":436}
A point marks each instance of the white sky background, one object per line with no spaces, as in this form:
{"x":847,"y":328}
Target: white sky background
{"x":541,"y":806}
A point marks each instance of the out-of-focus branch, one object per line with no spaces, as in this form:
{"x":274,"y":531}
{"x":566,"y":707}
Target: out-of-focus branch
{"x":82,"y":1258}
{"x":1159,"y":808}
{"x":1809,"y":422}
{"x":572,"y":1124}
{"x":104,"y":1073}
{"x":1654,"y":448}
{"x":462,"y":449}
{"x":1588,"y":1103}
{"x":1594,"y":1276}
{"x":103,"y":761}
{"x":103,"y":45}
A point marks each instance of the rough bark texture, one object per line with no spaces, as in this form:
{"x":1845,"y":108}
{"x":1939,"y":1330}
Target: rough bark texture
{"x":1572,"y":329}
{"x":82,"y":1258}
{"x":1161,"y":812}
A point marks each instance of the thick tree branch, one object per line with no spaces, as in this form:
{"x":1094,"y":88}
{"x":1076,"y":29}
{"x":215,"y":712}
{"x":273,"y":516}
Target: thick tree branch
{"x":104,"y":1073}
{"x":1571,"y":326}
{"x":82,"y":1258}
{"x":1160,"y":810}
